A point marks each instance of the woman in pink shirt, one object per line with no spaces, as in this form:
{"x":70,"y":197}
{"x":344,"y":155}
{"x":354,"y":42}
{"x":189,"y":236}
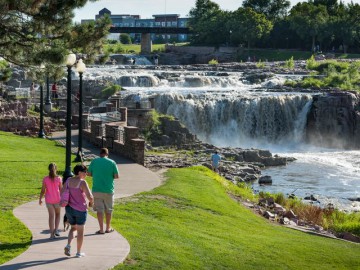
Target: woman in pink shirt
{"x":51,"y":186}
{"x":76,"y":210}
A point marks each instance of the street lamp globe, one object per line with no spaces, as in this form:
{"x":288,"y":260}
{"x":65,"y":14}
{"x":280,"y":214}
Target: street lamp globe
{"x":70,"y":59}
{"x":80,"y":67}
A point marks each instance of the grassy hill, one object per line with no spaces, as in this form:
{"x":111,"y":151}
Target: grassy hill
{"x":190,"y":222}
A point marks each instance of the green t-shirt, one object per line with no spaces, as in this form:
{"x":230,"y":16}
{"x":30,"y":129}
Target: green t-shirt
{"x":103,"y":170}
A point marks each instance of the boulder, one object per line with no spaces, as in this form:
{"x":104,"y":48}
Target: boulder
{"x":268,"y":215}
{"x":265,"y":180}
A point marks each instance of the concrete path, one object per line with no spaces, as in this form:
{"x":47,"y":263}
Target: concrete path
{"x":102,"y":251}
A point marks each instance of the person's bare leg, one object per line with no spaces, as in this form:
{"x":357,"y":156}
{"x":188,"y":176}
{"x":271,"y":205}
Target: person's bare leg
{"x":100,"y":217}
{"x":70,"y":238}
{"x":71,"y":234}
{"x":80,"y":237}
{"x":108,"y":217}
{"x":51,"y":211}
{"x":57,"y":218}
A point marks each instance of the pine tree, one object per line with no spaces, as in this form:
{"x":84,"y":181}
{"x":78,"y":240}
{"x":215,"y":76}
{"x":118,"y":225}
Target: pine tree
{"x":34,"y":32}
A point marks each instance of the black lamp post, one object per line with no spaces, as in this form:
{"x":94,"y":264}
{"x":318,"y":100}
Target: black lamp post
{"x":70,"y":61}
{"x":80,"y":67}
{"x":48,"y":100}
{"x":41,"y":129}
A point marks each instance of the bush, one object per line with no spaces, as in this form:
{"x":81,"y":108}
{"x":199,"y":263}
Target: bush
{"x":109,"y":91}
{"x":213,"y":62}
{"x":311,"y":82}
{"x":290,"y":64}
{"x":125,"y":39}
{"x":311,"y":63}
{"x":338,"y":66}
{"x":260,"y":64}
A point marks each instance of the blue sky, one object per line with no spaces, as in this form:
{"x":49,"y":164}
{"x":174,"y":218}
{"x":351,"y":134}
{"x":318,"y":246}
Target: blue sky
{"x":146,"y":8}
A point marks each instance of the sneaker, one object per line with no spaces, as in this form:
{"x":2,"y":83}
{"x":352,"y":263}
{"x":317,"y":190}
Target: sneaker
{"x":67,"y":250}
{"x":80,"y":254}
{"x":57,"y":233}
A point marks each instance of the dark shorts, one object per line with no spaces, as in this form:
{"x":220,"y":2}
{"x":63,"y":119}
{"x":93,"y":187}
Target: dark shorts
{"x":75,"y":217}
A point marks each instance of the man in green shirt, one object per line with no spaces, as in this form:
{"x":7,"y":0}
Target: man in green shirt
{"x":103,"y":170}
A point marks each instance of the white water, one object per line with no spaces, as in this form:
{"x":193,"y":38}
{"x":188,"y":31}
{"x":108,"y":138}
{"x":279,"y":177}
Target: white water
{"x":227,"y":111}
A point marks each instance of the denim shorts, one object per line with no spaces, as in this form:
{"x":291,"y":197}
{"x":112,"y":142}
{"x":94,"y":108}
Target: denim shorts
{"x":75,"y":217}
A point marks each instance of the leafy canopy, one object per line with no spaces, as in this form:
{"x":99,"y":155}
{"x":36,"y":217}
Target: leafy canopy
{"x":42,"y":31}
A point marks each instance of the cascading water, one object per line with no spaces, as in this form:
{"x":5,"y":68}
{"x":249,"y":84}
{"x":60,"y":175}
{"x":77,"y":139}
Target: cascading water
{"x":232,"y":120}
{"x":226,"y":110}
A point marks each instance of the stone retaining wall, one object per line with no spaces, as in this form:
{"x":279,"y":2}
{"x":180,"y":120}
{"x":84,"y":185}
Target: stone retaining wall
{"x":118,"y":138}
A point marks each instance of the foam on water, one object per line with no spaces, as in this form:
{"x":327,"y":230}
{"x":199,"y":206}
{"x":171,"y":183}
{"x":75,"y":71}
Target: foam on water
{"x":227,"y":111}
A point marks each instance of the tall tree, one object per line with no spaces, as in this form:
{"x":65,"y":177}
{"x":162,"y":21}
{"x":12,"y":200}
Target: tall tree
{"x":34,"y":32}
{"x":331,"y":5}
{"x":248,"y":25}
{"x":346,"y":25}
{"x":204,"y":21}
{"x":308,"y":20}
{"x":272,"y":9}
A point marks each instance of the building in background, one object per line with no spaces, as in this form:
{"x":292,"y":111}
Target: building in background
{"x":160,"y":20}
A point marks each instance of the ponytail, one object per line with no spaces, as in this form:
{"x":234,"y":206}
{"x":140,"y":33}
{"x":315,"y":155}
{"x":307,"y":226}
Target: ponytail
{"x":52,"y":171}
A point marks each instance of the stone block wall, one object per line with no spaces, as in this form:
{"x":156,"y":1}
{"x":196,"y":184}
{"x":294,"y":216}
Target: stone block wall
{"x":139,"y":118}
{"x":118,"y":137}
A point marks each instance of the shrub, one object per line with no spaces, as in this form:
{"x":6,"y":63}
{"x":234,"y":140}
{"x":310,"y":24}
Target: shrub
{"x":311,"y":82}
{"x":213,"y":62}
{"x":109,"y":91}
{"x":260,"y":64}
{"x":125,"y":39}
{"x":290,"y":64}
{"x":311,"y":63}
{"x":338,"y":66}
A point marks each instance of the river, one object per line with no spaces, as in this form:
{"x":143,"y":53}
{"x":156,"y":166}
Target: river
{"x":225,"y":109}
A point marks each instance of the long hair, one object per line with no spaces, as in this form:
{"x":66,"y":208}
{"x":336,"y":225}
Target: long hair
{"x":52,"y":171}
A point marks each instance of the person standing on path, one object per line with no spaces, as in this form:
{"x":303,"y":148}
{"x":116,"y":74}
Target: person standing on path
{"x":76,"y":210}
{"x":51,"y":186}
{"x":215,"y":161}
{"x":103,"y":170}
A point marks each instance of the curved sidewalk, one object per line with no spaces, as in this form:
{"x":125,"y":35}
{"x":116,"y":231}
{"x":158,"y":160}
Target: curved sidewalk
{"x":102,"y":251}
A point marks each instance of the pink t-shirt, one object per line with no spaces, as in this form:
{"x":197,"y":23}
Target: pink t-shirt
{"x":52,"y":189}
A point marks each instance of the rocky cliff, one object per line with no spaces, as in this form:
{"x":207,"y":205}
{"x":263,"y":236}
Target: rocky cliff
{"x":334,"y":120}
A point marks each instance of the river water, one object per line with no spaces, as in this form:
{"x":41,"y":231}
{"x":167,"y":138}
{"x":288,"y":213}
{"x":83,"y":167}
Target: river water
{"x":226,"y":110}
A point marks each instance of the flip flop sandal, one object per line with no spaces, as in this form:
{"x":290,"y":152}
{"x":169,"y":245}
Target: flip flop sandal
{"x":99,"y":232}
{"x":110,"y":231}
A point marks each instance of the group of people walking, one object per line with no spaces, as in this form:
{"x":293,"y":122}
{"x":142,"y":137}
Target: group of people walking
{"x":103,"y":170}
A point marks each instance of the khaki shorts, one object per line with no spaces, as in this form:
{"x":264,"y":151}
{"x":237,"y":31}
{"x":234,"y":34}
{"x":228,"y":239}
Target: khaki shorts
{"x":52,"y":205}
{"x":103,"y":202}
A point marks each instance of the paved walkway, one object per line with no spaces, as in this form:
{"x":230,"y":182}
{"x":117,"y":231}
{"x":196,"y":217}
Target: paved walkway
{"x":102,"y":251}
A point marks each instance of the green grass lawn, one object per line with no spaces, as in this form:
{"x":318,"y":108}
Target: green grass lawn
{"x":283,"y":55}
{"x":191,"y":223}
{"x":188,"y":223}
{"x":23,"y":164}
{"x":131,"y":48}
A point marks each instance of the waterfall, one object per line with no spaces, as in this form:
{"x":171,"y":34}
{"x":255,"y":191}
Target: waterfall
{"x":241,"y":120}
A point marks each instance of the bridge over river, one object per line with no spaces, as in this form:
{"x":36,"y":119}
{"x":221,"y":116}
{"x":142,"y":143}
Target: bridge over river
{"x":146,"y":44}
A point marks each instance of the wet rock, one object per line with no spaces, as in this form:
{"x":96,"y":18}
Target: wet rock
{"x":311,"y":198}
{"x":265,"y":180}
{"x":284,"y":221}
{"x":268,"y":215}
{"x":349,"y":237}
{"x":290,"y":214}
